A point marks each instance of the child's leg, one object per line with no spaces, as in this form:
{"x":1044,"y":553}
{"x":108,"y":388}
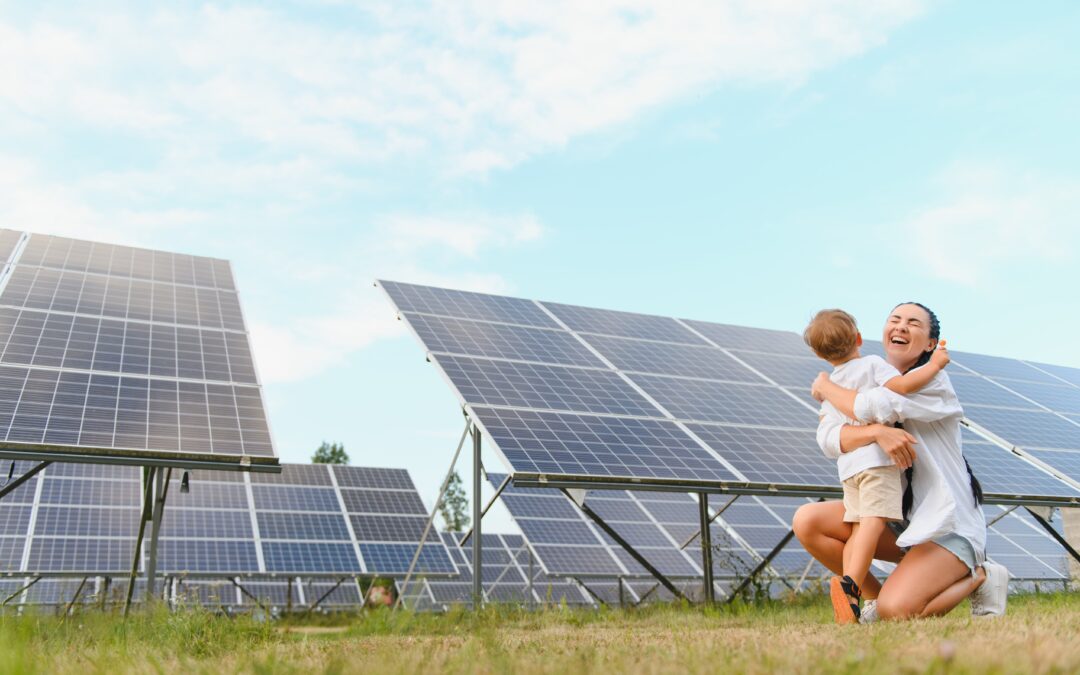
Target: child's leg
{"x":859,"y":550}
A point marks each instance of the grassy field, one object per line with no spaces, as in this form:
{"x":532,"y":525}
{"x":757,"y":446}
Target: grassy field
{"x":1041,"y":634}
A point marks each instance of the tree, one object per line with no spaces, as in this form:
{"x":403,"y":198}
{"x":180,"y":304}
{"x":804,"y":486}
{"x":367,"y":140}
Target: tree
{"x":330,"y":453}
{"x":455,"y":505}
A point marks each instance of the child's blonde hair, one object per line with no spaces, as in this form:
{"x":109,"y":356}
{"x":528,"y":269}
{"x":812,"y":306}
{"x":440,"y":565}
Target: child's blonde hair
{"x":832,"y":334}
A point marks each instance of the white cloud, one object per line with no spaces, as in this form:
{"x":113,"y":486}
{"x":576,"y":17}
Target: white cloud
{"x":474,"y":86}
{"x":991,"y":218}
{"x":401,"y":247}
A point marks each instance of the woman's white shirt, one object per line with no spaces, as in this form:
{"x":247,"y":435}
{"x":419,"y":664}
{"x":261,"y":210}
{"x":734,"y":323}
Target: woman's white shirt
{"x":941,"y":489}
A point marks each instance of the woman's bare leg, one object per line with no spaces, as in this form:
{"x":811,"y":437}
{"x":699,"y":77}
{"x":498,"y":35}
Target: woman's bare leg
{"x":822,"y":531}
{"x":929,"y":581}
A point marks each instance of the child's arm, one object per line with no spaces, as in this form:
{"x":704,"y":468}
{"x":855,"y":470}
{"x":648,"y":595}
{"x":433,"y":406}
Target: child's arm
{"x":842,"y":399}
{"x":913,"y":381}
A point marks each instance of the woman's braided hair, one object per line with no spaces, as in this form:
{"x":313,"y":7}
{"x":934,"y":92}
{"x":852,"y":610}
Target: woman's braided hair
{"x":924,"y":358}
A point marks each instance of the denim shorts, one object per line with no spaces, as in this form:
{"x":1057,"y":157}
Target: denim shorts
{"x":951,"y":542}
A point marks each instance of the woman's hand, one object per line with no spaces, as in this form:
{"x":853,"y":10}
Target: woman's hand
{"x":897,"y":444}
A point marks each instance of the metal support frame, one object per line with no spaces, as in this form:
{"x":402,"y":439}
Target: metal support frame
{"x":160,"y":479}
{"x":706,"y":548}
{"x":75,"y":598}
{"x":104,"y":590}
{"x":147,"y":509}
{"x":640,"y":559}
{"x":532,"y":574}
{"x":21,"y":590}
{"x":590,"y":591}
{"x":13,"y":485}
{"x":311,"y":608}
{"x":435,"y":509}
{"x":477,"y":548}
{"x":483,"y":512}
{"x":1055,"y":534}
{"x":712,"y":518}
{"x":762,"y":565}
{"x":1001,"y":515}
{"x":805,"y":573}
{"x":250,"y":595}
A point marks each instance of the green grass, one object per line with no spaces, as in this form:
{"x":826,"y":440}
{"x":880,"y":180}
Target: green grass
{"x":1040,"y":634}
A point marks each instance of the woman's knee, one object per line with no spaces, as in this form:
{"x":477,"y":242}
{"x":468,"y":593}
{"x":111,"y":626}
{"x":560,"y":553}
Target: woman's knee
{"x":892,"y":606}
{"x":805,"y":523}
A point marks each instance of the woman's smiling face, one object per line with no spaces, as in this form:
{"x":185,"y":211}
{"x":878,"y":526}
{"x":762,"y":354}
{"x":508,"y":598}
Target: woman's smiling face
{"x":907,"y":336}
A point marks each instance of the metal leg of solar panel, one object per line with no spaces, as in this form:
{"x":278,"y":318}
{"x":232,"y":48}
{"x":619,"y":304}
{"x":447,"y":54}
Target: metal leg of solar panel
{"x":13,"y":485}
{"x":324,"y":596}
{"x":641,"y":560}
{"x":147,"y":508}
{"x":161,"y":490}
{"x":250,"y":595}
{"x":435,"y":510}
{"x":762,"y":565}
{"x":483,"y":512}
{"x":75,"y":598}
{"x":706,"y":548}
{"x":711,"y":519}
{"x":18,"y":592}
{"x":594,"y":594}
{"x":477,"y":549}
{"x":1002,"y":515}
{"x":805,"y":572}
{"x":532,"y":593}
{"x":105,"y":583}
{"x":1055,"y":534}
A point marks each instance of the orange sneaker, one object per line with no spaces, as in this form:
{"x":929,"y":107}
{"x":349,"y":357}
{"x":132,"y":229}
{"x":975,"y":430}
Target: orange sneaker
{"x":845,"y":597}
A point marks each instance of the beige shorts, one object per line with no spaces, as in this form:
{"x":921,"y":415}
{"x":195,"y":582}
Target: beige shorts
{"x":875,"y":492}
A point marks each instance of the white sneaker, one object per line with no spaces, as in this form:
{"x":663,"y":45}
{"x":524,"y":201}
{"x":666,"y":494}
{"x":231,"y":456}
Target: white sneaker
{"x":989,"y":599}
{"x":869,"y":612}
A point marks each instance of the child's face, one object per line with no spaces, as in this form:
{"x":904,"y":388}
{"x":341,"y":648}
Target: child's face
{"x":907,"y":336}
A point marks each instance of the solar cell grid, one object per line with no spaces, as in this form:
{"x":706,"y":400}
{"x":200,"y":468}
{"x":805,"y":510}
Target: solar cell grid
{"x":1057,"y":397}
{"x":1002,"y":472}
{"x":670,"y":359}
{"x":1028,"y":429}
{"x":81,"y":555}
{"x":708,"y":401}
{"x":197,"y":555}
{"x":385,"y":558}
{"x":623,"y":324}
{"x":527,"y":385}
{"x":290,"y":498}
{"x":475,"y":338}
{"x":90,"y":492}
{"x":8,"y":240}
{"x":11,"y":553}
{"x":787,"y":371}
{"x":597,"y":446}
{"x":1063,"y":373}
{"x":752,"y":339}
{"x":205,"y":523}
{"x":388,"y":528}
{"x":999,"y":367}
{"x":373,"y":477}
{"x":1065,"y":461}
{"x":381,"y":501}
{"x":213,"y":496}
{"x":315,"y":526}
{"x":86,"y":522}
{"x":310,"y":557}
{"x":975,"y":390}
{"x":771,"y":455}
{"x":14,"y":519}
{"x":464,"y":304}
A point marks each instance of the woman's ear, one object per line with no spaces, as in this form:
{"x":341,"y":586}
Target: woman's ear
{"x":933,"y":346}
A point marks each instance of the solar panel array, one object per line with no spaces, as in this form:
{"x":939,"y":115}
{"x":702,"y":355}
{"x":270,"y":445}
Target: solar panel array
{"x":309,"y":519}
{"x":124,"y":352}
{"x":505,"y":578}
{"x":1024,"y":547}
{"x":584,"y":395}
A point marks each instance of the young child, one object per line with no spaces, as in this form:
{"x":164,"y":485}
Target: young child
{"x":873,"y":491}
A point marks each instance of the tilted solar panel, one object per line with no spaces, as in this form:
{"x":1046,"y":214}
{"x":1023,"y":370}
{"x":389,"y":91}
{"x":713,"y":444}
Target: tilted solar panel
{"x":310,"y":520}
{"x":125,"y":353}
{"x":576,"y":396}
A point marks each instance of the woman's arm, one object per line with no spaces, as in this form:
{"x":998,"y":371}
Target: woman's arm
{"x":842,"y":399}
{"x":835,"y":437}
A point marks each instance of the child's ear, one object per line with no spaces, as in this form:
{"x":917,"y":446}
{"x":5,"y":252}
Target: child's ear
{"x":858,"y":339}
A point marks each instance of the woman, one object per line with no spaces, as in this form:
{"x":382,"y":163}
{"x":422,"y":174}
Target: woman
{"x":941,"y":552}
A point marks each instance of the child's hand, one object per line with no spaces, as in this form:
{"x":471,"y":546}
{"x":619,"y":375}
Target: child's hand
{"x":815,"y":388}
{"x":940,"y":357}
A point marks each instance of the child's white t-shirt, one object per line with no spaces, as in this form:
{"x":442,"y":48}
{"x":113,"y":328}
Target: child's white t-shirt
{"x":861,"y":374}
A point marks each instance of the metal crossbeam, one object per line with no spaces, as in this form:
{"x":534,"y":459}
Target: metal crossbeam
{"x":16,"y":593}
{"x":762,"y":565}
{"x":324,"y":596}
{"x":13,"y":485}
{"x":641,"y":560}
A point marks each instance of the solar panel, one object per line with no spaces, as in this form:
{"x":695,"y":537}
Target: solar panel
{"x":506,"y":570}
{"x":1023,"y":547}
{"x":590,"y":397}
{"x":1002,"y":473}
{"x":111,"y":351}
{"x":310,"y":519}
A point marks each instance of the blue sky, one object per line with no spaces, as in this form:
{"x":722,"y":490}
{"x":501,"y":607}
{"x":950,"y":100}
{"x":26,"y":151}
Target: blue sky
{"x":744,"y":162}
